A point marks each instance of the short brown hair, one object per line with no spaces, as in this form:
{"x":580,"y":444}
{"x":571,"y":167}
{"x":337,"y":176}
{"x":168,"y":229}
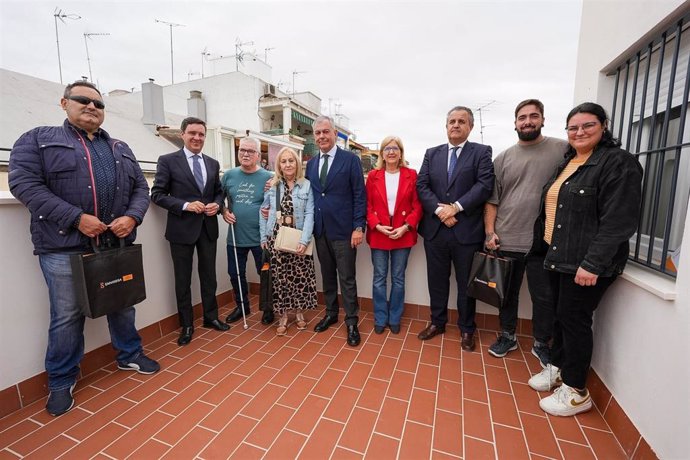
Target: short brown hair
{"x":535,"y":102}
{"x":192,"y":121}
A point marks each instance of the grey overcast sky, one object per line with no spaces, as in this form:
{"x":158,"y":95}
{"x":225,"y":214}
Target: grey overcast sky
{"x":395,"y":67}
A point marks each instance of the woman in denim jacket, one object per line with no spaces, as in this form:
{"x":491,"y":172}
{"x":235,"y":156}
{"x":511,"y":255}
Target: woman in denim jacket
{"x":590,"y":209}
{"x":293,"y":275}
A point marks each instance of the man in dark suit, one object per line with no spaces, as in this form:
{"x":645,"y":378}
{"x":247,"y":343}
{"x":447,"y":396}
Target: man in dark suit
{"x":340,"y":207}
{"x":187,"y":184}
{"x":453,"y":184}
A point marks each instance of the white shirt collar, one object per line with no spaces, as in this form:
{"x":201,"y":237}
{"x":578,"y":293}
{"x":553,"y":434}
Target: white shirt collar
{"x":451,"y":146}
{"x":331,"y":152}
{"x":189,"y":154}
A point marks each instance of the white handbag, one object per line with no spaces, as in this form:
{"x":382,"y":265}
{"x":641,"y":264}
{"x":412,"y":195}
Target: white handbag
{"x":288,"y":238}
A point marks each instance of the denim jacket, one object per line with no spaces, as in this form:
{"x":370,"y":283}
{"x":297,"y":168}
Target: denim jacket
{"x":303,"y":202}
{"x":597,"y":212}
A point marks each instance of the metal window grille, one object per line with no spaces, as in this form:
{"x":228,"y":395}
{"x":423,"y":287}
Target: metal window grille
{"x":650,"y":116}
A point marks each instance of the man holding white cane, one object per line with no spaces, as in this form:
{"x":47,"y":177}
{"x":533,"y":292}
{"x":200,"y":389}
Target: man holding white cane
{"x":244,"y":188}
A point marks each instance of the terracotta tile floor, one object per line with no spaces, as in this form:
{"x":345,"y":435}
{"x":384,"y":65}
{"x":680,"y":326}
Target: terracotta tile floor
{"x":249,"y":394}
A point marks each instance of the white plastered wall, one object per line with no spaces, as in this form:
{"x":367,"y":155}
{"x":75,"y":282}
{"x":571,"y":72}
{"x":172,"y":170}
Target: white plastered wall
{"x":641,"y":342}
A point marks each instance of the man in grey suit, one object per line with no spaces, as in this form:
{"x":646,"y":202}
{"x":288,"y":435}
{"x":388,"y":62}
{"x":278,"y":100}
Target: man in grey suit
{"x":454,"y":182}
{"x":187,"y":184}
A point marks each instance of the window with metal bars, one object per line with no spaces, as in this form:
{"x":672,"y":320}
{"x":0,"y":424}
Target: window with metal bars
{"x":650,"y":116}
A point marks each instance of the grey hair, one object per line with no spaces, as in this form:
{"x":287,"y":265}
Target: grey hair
{"x":256,"y":142}
{"x":321,"y":118}
{"x":458,"y":108}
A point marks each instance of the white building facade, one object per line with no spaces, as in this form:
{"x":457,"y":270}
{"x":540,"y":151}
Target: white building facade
{"x":633,"y":60}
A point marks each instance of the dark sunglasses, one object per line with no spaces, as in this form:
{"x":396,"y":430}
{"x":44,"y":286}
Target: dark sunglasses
{"x":83,"y":100}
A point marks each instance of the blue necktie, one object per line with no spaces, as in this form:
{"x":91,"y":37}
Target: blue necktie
{"x":198,"y":176}
{"x":453,"y":160}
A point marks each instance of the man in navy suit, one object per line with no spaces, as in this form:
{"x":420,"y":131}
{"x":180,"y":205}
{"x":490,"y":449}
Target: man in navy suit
{"x":453,"y":184}
{"x":340,"y":207}
{"x":187,"y":184}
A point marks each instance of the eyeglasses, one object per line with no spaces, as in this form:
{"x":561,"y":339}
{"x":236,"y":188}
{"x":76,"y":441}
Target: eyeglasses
{"x":586,"y":127}
{"x":83,"y":100}
{"x":246,"y":152}
{"x":391,"y":149}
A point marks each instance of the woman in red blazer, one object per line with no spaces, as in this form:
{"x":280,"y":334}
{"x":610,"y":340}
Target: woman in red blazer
{"x":393,"y":212}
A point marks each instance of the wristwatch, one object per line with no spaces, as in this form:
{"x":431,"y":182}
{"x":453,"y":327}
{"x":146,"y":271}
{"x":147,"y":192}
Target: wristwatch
{"x":359,"y":229}
{"x":409,"y":227}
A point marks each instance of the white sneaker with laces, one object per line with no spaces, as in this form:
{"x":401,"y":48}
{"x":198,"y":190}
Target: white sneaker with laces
{"x":548,"y":378}
{"x":566,"y":401}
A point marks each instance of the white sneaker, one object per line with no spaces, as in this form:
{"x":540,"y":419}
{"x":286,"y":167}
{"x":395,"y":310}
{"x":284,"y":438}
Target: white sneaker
{"x":566,"y":401}
{"x":548,"y":378}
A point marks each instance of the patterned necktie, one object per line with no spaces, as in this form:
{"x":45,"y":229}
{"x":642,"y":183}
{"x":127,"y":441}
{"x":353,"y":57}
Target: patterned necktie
{"x":453,"y":160}
{"x":324,"y":170}
{"x":198,"y":176}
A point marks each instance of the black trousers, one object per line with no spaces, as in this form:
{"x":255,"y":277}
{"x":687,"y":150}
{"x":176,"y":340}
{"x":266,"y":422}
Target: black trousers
{"x":540,"y":293}
{"x":183,"y":259}
{"x":442,"y":251}
{"x":572,"y":332}
{"x":338,"y":263}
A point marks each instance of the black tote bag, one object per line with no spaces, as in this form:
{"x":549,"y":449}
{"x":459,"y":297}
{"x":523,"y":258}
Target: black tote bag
{"x":490,"y":278}
{"x":266,"y":283}
{"x":106,"y":281}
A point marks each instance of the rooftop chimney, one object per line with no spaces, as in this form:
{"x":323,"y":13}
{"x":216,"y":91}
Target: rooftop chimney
{"x":196,"y":105}
{"x":152,"y":95}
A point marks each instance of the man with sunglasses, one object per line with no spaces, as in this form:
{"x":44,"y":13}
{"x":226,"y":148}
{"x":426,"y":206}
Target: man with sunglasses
{"x":187,"y":185}
{"x":244,"y":188}
{"x":78,"y":183}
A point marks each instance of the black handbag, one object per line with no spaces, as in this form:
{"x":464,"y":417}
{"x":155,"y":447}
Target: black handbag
{"x":266,"y":283}
{"x":106,"y":281}
{"x":490,"y":278}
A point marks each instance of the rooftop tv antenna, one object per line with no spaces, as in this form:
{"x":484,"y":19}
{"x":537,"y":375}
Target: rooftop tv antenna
{"x":295,"y":72}
{"x":61,"y":15}
{"x":171,"y":25}
{"x":266,"y":50}
{"x":86,"y":44}
{"x":239,"y":52}
{"x":204,"y":57}
{"x":481,"y":124}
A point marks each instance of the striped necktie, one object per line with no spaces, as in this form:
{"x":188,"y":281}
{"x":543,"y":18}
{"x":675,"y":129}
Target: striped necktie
{"x":453,"y":160}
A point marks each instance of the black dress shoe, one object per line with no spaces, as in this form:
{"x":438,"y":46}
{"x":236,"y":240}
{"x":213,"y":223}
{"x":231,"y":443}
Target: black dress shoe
{"x":185,"y":335}
{"x":236,"y":315}
{"x":325,"y":323}
{"x":467,"y":342}
{"x":395,"y":328}
{"x":353,"y":338}
{"x":379,"y":329}
{"x":267,"y":318}
{"x":217,"y":325}
{"x":431,"y":331}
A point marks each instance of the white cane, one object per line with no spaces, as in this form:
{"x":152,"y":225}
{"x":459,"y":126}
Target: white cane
{"x":239,"y":280}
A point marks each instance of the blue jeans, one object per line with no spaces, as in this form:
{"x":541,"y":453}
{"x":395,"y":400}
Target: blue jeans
{"x":389,"y":311}
{"x":242,"y":255}
{"x":66,"y":332}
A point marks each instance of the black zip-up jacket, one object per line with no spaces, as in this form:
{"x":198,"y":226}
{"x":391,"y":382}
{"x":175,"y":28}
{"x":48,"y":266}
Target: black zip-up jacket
{"x":597,"y":212}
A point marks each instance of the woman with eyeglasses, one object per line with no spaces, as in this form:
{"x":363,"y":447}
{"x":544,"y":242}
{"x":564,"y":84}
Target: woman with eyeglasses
{"x":393,"y":212}
{"x":293,"y":275}
{"x":590,"y":209}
